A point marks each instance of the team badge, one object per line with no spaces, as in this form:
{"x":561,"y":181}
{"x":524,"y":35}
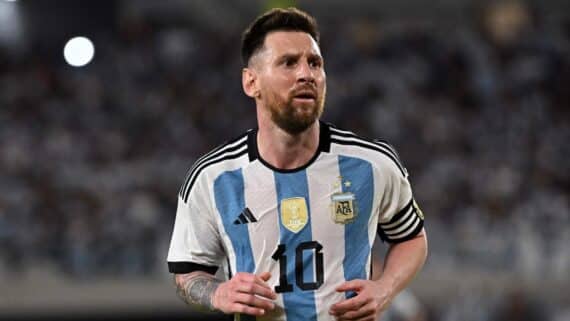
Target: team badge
{"x":294,"y":214}
{"x":343,"y":208}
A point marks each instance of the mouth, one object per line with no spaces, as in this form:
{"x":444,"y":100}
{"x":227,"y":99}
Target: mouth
{"x":305,"y":95}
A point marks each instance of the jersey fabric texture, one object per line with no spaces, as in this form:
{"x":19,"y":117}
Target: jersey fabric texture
{"x":312,"y":227}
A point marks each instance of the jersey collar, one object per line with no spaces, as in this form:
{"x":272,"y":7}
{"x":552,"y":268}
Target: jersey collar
{"x":324,"y":146}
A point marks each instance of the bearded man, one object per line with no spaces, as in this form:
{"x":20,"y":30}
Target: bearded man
{"x":291,"y":209}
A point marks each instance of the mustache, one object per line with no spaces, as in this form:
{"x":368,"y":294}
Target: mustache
{"x":305,"y":89}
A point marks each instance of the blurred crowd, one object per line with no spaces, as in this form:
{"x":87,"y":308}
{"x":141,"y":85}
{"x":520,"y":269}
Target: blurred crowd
{"x":91,"y":159}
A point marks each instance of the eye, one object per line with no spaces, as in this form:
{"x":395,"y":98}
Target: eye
{"x":316,"y":63}
{"x":289,"y":62}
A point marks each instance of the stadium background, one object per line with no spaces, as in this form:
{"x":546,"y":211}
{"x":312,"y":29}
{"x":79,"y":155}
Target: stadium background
{"x":475,"y":96}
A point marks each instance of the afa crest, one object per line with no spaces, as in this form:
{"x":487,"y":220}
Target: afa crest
{"x":343,"y":208}
{"x":294,"y":213}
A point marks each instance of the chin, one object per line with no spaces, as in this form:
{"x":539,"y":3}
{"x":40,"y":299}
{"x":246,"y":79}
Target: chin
{"x":296,"y":117}
{"x":296,"y":126}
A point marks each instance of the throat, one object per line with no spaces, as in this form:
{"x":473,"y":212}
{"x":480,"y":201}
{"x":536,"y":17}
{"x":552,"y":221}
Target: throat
{"x":283,"y":151}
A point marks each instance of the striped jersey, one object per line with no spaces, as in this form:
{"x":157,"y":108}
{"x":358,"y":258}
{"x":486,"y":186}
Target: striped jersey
{"x":312,"y":227}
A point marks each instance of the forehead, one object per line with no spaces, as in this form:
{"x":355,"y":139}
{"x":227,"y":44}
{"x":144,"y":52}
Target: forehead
{"x":278,"y":43}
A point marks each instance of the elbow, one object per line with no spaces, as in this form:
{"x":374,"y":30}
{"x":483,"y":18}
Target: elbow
{"x":180,"y":280}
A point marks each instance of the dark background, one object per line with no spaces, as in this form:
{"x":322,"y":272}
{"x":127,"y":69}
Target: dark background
{"x":473,"y":94}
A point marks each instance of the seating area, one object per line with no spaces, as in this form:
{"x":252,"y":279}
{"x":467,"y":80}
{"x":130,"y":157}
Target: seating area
{"x":91,"y":159}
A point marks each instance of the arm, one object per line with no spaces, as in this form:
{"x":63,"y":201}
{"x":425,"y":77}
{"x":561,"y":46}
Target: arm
{"x":402,"y":263}
{"x":197,"y":289}
{"x":195,"y":252}
{"x":244,"y":293}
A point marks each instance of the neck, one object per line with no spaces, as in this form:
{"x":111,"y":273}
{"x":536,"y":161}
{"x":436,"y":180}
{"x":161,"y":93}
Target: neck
{"x":283,"y":150}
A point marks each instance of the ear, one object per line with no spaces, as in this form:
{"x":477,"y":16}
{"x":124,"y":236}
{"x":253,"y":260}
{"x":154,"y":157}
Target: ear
{"x":249,"y":82}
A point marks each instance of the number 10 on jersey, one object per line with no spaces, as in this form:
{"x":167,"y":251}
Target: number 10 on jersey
{"x":280,"y":256}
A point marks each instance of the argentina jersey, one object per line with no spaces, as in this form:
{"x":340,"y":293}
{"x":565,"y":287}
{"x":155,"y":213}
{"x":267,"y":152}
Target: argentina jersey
{"x":312,"y":227}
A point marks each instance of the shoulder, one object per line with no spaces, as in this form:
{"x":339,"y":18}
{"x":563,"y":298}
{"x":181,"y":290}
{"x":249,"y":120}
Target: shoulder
{"x":229,"y":151}
{"x":377,"y":151}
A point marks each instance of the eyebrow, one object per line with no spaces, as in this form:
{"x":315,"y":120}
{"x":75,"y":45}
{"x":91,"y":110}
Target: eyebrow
{"x":297,"y":55}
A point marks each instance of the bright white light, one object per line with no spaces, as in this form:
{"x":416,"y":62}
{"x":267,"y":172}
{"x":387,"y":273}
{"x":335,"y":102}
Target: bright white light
{"x":10,"y":0}
{"x":78,"y":51}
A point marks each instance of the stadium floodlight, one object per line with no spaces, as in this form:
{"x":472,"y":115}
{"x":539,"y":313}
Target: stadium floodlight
{"x":78,"y":51}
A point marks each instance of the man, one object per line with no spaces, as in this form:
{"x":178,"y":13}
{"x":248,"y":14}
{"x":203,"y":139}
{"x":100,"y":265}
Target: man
{"x":291,"y":209}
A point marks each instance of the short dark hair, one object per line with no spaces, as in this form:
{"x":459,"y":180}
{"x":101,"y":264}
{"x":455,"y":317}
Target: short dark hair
{"x":290,"y":19}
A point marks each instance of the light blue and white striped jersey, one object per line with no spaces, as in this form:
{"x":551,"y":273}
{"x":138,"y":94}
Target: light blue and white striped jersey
{"x":311,"y":227}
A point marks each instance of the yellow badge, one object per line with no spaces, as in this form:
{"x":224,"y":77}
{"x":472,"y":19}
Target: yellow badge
{"x":294,"y":214}
{"x":343,"y":208}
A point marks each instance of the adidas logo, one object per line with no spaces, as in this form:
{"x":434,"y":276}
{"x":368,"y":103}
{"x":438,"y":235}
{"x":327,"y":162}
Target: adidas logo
{"x":245,"y":217}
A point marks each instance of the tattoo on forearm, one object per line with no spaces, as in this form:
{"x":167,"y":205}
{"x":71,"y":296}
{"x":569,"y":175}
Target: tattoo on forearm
{"x":198,"y":290}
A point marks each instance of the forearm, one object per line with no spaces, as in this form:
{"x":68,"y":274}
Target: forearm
{"x":197,"y":289}
{"x":402,"y":263}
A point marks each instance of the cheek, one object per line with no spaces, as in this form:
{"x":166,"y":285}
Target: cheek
{"x":322,"y":84}
{"x":321,"y":78}
{"x":279,"y":89}
{"x":285,"y":82}
{"x":275,"y":82}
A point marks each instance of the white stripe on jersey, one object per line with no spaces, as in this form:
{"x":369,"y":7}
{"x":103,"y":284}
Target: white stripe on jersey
{"x":321,"y":176}
{"x":409,"y":221}
{"x":400,"y":221}
{"x":214,"y":155}
{"x":207,"y":162}
{"x":383,"y":147}
{"x":264,"y":234}
{"x":406,"y":232}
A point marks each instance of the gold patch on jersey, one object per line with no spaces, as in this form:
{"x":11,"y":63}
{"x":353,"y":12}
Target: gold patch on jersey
{"x":294,"y":213}
{"x":343,"y":208}
{"x":418,"y":210}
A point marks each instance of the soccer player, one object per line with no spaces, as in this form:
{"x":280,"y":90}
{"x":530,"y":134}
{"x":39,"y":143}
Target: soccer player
{"x":290,"y":210}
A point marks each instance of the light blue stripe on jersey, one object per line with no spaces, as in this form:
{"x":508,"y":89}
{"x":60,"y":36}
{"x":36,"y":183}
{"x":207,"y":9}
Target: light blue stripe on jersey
{"x":230,"y":201}
{"x":356,"y":243}
{"x":299,"y":305}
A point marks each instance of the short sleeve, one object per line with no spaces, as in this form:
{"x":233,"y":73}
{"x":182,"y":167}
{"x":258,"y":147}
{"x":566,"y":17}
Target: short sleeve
{"x":400,"y":217}
{"x":195,"y":243}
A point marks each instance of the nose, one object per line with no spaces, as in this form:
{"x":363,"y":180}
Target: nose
{"x":305,"y":73}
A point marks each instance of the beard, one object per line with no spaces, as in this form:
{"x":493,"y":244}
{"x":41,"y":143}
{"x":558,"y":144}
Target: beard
{"x":294,"y":118}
